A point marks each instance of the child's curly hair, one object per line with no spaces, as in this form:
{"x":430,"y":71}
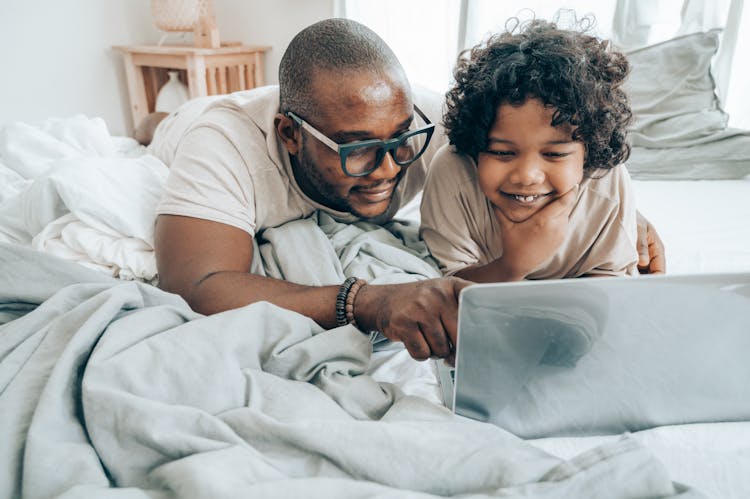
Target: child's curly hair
{"x":574,"y":73}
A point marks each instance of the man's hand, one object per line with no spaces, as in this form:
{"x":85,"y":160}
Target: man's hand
{"x":422,"y":315}
{"x":651,"y":253}
{"x":206,"y":262}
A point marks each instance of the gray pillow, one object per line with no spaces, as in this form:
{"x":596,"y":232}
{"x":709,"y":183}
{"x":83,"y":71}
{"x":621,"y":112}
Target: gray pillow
{"x":680,"y":129}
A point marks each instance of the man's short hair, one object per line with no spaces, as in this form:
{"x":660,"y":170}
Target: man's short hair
{"x":329,"y":45}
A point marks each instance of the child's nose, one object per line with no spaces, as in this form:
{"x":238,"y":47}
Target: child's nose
{"x":528,"y":171}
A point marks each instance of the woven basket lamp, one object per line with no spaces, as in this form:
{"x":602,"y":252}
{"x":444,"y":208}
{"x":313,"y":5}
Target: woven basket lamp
{"x":188,"y":15}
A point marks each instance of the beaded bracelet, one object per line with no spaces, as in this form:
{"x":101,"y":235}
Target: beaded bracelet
{"x":341,"y":301}
{"x":345,"y":301}
{"x":350,"y":297}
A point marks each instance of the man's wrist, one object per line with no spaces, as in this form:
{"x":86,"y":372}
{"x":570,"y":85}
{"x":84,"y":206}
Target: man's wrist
{"x":362,"y":305}
{"x":500,"y":271}
{"x":350,"y":298}
{"x":345,"y":298}
{"x":341,"y":298}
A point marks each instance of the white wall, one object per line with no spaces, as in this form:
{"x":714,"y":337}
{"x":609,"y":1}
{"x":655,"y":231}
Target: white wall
{"x":269,"y":22}
{"x":56,"y":58}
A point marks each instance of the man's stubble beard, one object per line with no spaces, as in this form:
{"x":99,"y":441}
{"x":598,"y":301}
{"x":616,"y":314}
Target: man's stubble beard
{"x":328,"y":196}
{"x":314,"y":180}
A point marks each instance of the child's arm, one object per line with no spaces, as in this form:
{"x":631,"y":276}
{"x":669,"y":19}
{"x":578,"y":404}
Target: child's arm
{"x":527,"y":244}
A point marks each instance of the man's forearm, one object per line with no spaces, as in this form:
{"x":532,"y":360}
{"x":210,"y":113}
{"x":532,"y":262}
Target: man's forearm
{"x":222,"y":291}
{"x":494,"y":271}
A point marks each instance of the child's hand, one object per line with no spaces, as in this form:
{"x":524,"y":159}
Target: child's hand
{"x":529,"y":244}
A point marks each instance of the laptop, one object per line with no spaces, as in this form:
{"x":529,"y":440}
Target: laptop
{"x":592,"y":356}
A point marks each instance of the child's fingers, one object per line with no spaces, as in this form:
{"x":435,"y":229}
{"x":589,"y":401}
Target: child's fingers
{"x":562,"y":206}
{"x":558,"y":208}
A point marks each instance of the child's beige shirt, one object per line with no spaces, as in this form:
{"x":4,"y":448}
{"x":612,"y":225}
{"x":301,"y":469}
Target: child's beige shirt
{"x":461,"y":229}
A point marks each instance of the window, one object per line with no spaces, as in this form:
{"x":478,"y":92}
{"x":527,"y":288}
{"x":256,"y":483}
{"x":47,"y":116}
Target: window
{"x":422,"y":33}
{"x":427,"y":35}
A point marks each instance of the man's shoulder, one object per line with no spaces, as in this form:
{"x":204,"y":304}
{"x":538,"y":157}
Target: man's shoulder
{"x":249,"y":101}
{"x":244,"y":121}
{"x":236,"y":115}
{"x":257,"y":106}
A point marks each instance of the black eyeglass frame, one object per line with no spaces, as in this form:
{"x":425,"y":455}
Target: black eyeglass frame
{"x":386,"y":146}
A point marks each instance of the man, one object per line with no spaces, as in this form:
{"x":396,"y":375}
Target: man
{"x":265,"y":157}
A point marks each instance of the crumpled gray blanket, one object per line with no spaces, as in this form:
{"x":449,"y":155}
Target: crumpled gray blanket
{"x":325,"y":252}
{"x":117,"y":389}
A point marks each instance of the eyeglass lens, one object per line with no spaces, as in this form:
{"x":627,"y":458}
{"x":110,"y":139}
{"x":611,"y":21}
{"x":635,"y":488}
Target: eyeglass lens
{"x":368,"y":158}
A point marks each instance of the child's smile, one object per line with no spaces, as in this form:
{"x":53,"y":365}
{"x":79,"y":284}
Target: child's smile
{"x":526,"y":199}
{"x":528,"y":162}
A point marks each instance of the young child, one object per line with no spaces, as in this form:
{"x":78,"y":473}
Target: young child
{"x":529,"y":186}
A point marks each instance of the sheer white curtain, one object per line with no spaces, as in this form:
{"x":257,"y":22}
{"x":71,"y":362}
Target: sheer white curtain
{"x":427,"y":35}
{"x":485,"y":17}
{"x":422,"y":33}
{"x":734,"y":72}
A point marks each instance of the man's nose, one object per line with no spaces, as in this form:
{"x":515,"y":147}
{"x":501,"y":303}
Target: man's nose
{"x":388,"y":168}
{"x":528,"y":170}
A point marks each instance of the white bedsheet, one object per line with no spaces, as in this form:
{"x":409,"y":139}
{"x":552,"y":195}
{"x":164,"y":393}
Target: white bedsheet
{"x":705,"y":224}
{"x":714,"y":458}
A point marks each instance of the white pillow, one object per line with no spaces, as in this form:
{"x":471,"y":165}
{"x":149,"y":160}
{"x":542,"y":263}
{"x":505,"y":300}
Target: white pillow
{"x":680,"y":130}
{"x":672,"y":91}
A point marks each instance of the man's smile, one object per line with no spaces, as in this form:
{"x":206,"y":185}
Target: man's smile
{"x":376,"y":193}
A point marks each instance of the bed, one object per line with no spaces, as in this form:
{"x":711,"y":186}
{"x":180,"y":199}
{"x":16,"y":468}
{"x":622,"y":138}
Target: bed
{"x":110,"y":387}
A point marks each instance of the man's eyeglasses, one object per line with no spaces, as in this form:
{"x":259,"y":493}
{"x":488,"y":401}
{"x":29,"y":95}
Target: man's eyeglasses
{"x":363,"y":157}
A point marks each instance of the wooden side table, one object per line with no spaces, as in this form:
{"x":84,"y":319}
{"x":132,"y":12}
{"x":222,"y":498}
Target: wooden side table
{"x":206,"y":71}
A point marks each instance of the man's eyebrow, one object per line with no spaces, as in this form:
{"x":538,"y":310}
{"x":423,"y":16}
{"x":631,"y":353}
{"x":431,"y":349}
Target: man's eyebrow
{"x":343,"y":136}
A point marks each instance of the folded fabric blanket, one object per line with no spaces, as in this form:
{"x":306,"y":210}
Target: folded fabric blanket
{"x":107,"y":384}
{"x":31,"y":150}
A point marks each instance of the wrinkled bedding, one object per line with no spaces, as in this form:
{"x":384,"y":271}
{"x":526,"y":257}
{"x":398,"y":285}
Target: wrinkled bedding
{"x":70,"y":189}
{"x":108,"y":383}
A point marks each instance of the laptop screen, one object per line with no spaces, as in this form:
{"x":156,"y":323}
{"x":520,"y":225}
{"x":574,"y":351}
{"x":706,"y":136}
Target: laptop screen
{"x":602,"y":355}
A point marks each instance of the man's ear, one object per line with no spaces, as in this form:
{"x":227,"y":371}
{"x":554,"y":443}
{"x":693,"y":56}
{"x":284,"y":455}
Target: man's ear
{"x":287,"y":132}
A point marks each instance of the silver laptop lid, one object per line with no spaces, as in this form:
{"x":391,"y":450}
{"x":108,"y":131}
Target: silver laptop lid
{"x":604,"y":355}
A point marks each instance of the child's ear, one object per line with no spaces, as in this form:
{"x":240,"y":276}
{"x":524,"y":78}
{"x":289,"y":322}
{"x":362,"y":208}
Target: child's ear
{"x":288,"y":133}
